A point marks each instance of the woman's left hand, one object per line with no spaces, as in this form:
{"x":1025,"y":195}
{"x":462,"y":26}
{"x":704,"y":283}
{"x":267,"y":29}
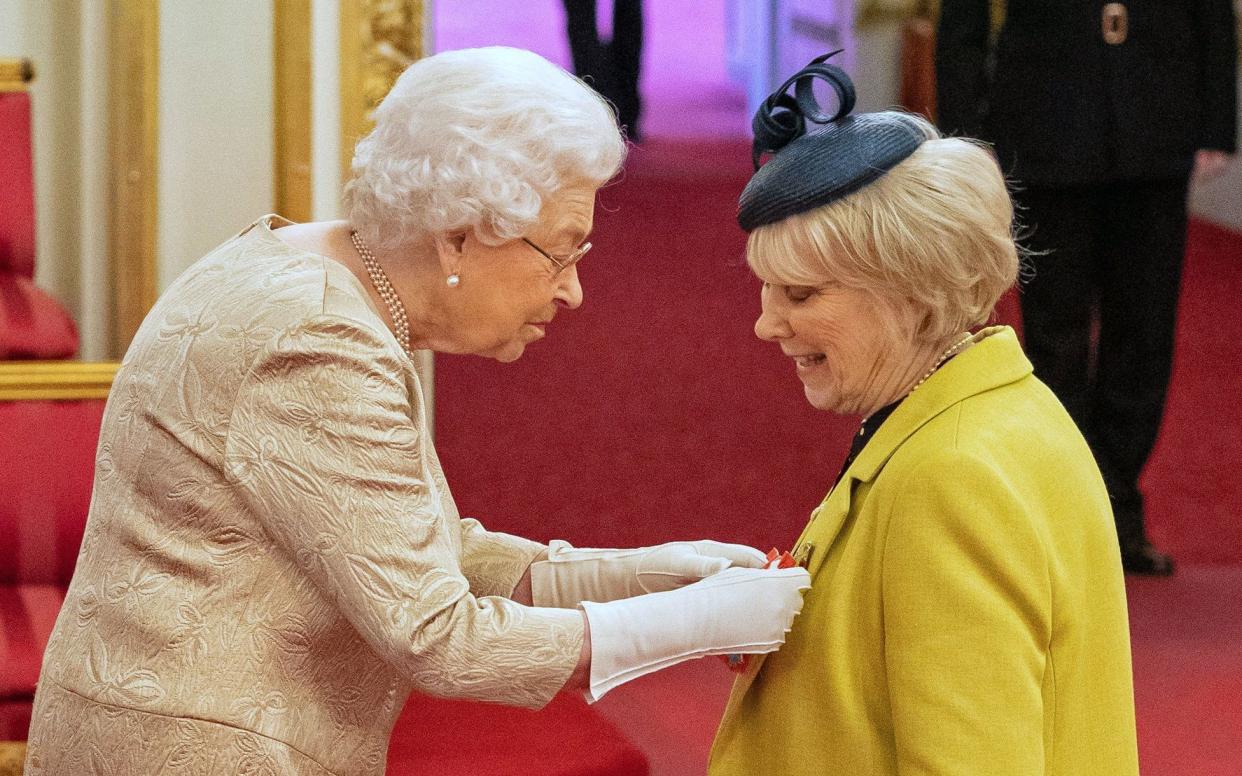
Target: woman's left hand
{"x":571,"y":575}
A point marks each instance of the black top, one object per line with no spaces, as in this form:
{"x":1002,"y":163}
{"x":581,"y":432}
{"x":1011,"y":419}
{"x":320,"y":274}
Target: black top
{"x":1066,"y":108}
{"x":872,"y":423}
{"x":866,"y":430}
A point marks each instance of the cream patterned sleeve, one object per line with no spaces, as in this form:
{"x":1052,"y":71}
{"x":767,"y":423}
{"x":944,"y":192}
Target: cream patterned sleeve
{"x":494,"y":562}
{"x":326,"y":446}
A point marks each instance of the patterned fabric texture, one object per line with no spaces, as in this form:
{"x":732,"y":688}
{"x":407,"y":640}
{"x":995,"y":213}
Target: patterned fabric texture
{"x":273,"y":560}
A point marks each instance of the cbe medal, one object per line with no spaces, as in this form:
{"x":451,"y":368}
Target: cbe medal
{"x":776,"y":560}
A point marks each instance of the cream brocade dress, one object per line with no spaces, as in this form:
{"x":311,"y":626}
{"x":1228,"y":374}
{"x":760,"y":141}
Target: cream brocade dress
{"x":273,"y":560}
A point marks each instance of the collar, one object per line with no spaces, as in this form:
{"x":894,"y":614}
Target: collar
{"x":995,"y":359}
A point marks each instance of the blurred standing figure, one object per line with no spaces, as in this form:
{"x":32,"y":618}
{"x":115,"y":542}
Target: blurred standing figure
{"x":611,"y":67}
{"x":1101,"y":112}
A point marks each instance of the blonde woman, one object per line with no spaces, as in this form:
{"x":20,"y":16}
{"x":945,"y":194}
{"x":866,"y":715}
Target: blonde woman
{"x":968,"y":613}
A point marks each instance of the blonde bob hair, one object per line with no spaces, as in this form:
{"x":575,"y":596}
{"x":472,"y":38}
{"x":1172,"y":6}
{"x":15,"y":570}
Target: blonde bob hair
{"x":477,"y":139}
{"x":934,"y":233}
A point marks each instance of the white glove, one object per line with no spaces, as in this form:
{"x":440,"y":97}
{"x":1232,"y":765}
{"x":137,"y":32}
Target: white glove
{"x":744,"y":611}
{"x":571,"y":575}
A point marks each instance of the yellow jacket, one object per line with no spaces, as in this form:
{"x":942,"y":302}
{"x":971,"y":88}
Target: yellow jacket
{"x":968,"y":612}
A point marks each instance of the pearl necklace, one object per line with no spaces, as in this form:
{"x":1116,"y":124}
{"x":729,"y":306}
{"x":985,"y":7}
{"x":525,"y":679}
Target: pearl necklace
{"x":945,"y":356}
{"x":383,"y":287}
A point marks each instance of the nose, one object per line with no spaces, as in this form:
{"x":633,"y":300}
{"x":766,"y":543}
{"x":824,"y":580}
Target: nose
{"x":771,"y":327}
{"x":569,"y":289}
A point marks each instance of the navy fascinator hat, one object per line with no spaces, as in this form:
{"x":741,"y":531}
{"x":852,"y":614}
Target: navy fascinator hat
{"x":807,"y":170}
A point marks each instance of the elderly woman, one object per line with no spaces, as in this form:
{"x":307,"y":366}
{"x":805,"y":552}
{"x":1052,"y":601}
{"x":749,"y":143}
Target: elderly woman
{"x":968,"y":614}
{"x":273,"y":559}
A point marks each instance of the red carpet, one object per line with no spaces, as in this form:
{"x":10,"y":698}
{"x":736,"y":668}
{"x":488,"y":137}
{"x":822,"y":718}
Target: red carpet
{"x":1187,"y":641}
{"x":1194,"y":494}
{"x":447,"y":737}
{"x":652,"y":413}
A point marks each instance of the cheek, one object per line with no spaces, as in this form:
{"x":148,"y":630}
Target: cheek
{"x":529,"y":306}
{"x":850,"y":343}
{"x":827,"y":334}
{"x":870,"y":344}
{"x":507,"y":304}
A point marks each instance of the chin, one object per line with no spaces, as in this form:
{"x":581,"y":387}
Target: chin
{"x":814,"y":398}
{"x":823,"y":401}
{"x":509,"y":353}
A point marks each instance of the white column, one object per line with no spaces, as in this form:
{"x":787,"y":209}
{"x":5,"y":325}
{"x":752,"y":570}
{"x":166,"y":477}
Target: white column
{"x":215,"y":126}
{"x":94,"y":297}
{"x":325,"y":110}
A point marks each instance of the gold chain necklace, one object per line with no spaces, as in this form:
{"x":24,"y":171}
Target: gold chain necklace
{"x":945,"y":356}
{"x":383,"y":287}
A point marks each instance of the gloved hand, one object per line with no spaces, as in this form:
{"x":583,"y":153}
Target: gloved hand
{"x":571,"y":575}
{"x":739,"y":610}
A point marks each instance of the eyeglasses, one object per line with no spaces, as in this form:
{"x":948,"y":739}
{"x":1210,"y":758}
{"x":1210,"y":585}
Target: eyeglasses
{"x":564,"y":262}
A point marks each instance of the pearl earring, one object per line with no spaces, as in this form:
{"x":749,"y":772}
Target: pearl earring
{"x":453,"y":280}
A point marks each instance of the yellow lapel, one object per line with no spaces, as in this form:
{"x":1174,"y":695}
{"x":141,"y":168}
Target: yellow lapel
{"x":995,"y":359}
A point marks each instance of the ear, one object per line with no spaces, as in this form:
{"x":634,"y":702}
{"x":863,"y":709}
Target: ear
{"x":450,"y":248}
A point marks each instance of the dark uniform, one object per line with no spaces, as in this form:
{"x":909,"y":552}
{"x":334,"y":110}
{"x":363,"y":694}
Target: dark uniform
{"x":1096,"y":111}
{"x":611,"y":67}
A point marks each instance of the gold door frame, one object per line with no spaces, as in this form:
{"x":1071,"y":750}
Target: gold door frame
{"x":133,"y":129}
{"x":291,"y":100}
{"x":133,"y":53}
{"x":378,"y":39}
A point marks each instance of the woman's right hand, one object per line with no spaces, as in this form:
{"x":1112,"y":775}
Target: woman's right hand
{"x":739,"y":610}
{"x":569,"y":575}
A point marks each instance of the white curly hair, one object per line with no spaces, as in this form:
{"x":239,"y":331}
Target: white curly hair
{"x":475,"y":140}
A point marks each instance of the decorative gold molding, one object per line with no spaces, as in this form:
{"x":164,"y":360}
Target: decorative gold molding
{"x":26,"y":380}
{"x":134,"y":137}
{"x":292,"y":101}
{"x":379,"y":39}
{"x":15,"y":74}
{"x":12,"y":757}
